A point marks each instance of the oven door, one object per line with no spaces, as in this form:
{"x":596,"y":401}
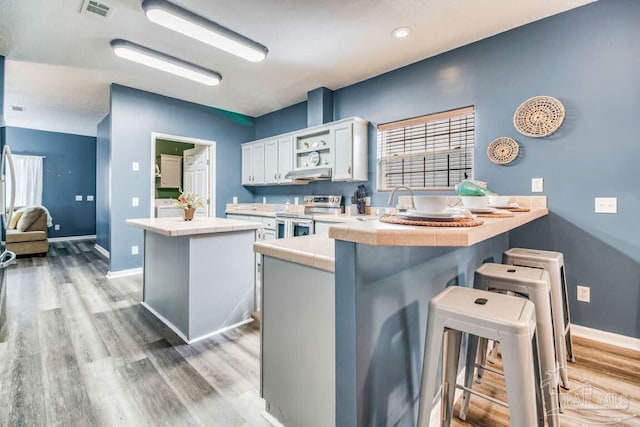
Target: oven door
{"x":293,"y":227}
{"x":302,"y":227}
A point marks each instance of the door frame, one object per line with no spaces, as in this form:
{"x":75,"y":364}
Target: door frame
{"x":187,"y":140}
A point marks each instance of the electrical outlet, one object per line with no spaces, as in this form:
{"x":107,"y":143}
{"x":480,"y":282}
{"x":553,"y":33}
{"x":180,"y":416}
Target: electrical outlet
{"x":135,"y":166}
{"x":537,"y":185}
{"x":134,"y":250}
{"x":56,"y":227}
{"x":607,"y":205}
{"x":89,"y":198}
{"x":135,"y":201}
{"x":78,"y":198}
{"x":584,"y":293}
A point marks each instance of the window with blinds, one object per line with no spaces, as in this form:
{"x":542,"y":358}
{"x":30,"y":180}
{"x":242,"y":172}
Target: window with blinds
{"x":433,"y":152}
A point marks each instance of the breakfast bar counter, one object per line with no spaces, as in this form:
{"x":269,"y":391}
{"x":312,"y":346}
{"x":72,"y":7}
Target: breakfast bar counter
{"x":199,"y":274}
{"x":356,"y":304}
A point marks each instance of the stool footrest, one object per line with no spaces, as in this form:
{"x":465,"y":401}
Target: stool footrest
{"x":482,"y":395}
{"x":486,"y":368}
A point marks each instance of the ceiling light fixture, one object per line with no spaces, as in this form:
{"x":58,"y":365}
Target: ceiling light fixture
{"x":401,"y":32}
{"x":161,"y":61}
{"x":195,"y":26}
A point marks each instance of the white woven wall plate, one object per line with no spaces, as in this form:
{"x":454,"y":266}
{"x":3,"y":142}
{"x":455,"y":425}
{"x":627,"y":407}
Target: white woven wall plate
{"x":539,"y":116}
{"x":503,"y":150}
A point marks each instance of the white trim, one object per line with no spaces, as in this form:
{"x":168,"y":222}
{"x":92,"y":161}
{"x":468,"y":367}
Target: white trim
{"x":179,"y":333}
{"x":102,"y":251}
{"x":271,"y":419}
{"x":68,"y":238}
{"x":606,"y":337}
{"x":123,"y":273}
{"x":212,"y":167}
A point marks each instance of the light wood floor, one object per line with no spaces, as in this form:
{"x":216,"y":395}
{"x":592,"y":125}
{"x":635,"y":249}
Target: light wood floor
{"x":82,"y":351}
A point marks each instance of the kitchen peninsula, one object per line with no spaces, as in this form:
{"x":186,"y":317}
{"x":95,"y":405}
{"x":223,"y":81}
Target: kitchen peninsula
{"x":198,"y":275}
{"x":384,"y":277}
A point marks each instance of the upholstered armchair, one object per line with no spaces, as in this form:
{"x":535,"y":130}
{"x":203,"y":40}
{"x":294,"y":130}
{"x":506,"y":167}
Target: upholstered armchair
{"x":27,"y":232}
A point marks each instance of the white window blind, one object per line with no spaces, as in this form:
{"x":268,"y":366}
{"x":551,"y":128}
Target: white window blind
{"x":433,"y":152}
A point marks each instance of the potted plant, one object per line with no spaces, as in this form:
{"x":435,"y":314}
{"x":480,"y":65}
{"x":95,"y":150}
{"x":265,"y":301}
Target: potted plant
{"x":189,"y":202}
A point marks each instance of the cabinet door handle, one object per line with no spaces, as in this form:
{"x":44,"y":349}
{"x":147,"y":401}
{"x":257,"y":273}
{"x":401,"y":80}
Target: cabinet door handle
{"x":275,"y":176}
{"x":349,"y":170}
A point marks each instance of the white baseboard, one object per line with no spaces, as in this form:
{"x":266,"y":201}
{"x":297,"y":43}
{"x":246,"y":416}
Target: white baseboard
{"x":182,"y":336}
{"x":102,"y":251}
{"x":67,"y":238}
{"x":606,"y":337}
{"x":271,"y":419}
{"x":123,"y":273}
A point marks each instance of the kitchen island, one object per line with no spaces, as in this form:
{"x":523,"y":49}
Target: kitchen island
{"x":385,"y":276}
{"x":198,"y":275}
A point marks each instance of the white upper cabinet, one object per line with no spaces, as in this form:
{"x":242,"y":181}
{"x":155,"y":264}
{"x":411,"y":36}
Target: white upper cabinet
{"x":350,"y":160}
{"x":271,"y":161}
{"x":170,"y":171}
{"x":253,"y":172}
{"x":285,"y":158}
{"x":340,"y":146}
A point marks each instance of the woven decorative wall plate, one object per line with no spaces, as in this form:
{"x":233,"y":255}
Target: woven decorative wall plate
{"x":503,"y":150}
{"x":539,"y":116}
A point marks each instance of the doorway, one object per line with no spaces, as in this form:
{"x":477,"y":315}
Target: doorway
{"x":197,"y":171}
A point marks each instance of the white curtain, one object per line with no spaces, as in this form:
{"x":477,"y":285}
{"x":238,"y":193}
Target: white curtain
{"x":28,"y":180}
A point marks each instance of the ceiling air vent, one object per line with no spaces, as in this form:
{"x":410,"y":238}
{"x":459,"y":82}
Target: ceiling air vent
{"x":17,"y":108}
{"x":96,"y":8}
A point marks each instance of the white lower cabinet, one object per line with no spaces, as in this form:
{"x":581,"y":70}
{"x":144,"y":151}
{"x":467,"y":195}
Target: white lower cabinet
{"x":322,"y":228}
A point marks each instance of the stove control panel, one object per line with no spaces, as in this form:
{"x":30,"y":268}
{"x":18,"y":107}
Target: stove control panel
{"x":330,"y":201}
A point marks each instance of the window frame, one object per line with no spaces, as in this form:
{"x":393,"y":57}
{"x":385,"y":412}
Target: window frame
{"x":415,"y":131}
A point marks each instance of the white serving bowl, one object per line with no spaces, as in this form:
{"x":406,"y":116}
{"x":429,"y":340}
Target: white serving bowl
{"x":432,"y":204}
{"x":474,"y":202}
{"x":499,"y":200}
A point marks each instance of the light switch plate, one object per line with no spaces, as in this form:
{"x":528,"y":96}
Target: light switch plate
{"x":135,"y":166}
{"x":537,"y":185}
{"x":135,"y":201}
{"x":89,"y":198}
{"x":607,"y":205}
{"x":56,"y":227}
{"x":134,"y":250}
{"x":78,"y":198}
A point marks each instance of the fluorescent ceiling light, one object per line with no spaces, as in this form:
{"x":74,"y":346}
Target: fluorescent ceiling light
{"x":195,"y":26}
{"x":161,"y":61}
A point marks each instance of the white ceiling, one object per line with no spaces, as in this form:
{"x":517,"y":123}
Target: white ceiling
{"x":59,"y":64}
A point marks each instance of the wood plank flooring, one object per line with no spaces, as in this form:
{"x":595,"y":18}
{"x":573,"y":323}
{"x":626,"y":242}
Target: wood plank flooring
{"x":81,"y":351}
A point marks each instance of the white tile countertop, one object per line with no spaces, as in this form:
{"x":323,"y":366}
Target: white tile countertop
{"x":176,"y":226}
{"x":313,"y":251}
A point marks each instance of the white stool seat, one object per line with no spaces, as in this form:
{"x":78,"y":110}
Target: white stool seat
{"x":509,"y":320}
{"x":553,"y":263}
{"x":533,"y":284}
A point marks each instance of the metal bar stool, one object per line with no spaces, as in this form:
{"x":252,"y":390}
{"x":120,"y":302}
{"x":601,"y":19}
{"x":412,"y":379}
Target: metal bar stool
{"x":533,"y":284}
{"x":553,"y":263}
{"x":509,"y":320}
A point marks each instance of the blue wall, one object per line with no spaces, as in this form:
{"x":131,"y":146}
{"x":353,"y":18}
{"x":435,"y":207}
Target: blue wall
{"x":1,"y":87}
{"x":282,"y":121}
{"x":587,"y":58}
{"x":69,"y":170}
{"x":103,"y":183}
{"x":134,"y":116}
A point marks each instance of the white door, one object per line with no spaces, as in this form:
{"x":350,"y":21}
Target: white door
{"x":196,"y":174}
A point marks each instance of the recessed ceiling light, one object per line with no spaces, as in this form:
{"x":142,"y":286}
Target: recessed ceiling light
{"x":161,"y":61}
{"x":401,"y":32}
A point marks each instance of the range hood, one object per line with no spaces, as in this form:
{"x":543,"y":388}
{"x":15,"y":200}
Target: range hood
{"x":308,"y":175}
